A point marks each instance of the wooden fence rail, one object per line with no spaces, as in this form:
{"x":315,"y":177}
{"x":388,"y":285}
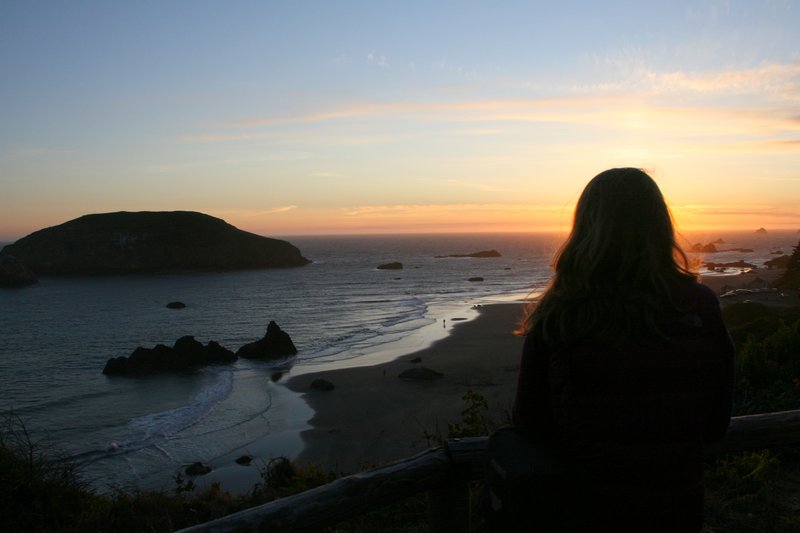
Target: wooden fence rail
{"x":444,"y":472}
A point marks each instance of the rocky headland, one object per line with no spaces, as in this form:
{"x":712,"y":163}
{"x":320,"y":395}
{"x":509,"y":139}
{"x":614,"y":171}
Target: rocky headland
{"x":147,"y":242}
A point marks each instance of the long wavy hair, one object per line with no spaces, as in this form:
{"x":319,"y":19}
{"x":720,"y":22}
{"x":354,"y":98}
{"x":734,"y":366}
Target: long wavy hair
{"x":616,"y":273}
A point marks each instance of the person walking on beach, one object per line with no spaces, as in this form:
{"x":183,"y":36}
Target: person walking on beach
{"x":627,"y":367}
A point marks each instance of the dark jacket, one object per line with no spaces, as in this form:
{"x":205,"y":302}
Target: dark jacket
{"x":632,"y":420}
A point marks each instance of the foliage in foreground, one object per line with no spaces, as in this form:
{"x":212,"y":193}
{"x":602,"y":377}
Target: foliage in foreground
{"x":40,"y":490}
{"x":759,"y":491}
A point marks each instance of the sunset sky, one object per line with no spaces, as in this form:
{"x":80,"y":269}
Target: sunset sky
{"x":289,"y":118}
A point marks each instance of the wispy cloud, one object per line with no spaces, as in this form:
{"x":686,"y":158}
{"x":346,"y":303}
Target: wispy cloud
{"x":781,"y":80}
{"x":252,"y":213}
{"x":632,"y":71}
{"x":576,"y":109}
{"x":376,"y":59}
{"x":222,"y":137}
{"x":508,"y":210}
{"x":282,"y":209}
{"x":171,"y":167}
{"x":739,"y":211}
{"x":650,"y":101}
{"x":342,"y":59}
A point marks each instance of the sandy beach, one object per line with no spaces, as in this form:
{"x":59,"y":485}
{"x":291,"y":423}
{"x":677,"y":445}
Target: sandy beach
{"x":753,"y":279}
{"x":373,"y":416}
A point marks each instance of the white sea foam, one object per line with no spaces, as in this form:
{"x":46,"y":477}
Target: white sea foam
{"x":170,"y":422}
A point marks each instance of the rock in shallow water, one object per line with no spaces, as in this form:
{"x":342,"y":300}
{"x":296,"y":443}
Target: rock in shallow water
{"x":274,"y":344}
{"x":187,"y":354}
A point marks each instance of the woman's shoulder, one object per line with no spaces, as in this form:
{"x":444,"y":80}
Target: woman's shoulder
{"x":687,"y":287}
{"x":701,"y":299}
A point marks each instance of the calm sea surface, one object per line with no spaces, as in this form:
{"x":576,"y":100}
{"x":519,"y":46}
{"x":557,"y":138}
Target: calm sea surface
{"x":340,"y":310}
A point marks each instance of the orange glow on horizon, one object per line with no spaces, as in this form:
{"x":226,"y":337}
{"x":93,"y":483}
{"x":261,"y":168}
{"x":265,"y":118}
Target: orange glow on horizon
{"x":455,"y":218}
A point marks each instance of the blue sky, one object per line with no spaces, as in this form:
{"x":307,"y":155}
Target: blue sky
{"x":318,"y":117}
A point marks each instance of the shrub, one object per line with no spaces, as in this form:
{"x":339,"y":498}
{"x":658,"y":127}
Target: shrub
{"x":768,"y":371}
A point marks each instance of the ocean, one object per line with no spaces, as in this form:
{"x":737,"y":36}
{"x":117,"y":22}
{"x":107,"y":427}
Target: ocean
{"x":340,"y":311}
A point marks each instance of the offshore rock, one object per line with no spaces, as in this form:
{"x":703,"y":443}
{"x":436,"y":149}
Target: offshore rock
{"x":276,"y":343}
{"x":146,"y":242}
{"x":14,"y":273}
{"x":481,"y":254}
{"x":733,"y":264}
{"x":187,"y":354}
{"x":704,"y":248}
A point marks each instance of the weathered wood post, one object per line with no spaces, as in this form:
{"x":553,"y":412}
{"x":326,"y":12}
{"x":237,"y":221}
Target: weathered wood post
{"x":448,"y":504}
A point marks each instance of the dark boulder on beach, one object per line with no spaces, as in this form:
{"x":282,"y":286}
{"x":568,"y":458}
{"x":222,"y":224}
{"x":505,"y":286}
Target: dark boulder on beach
{"x":149,"y":242}
{"x":14,"y":273}
{"x":420,"y":374}
{"x":197,"y":469}
{"x":391,"y":266}
{"x":322,"y":385}
{"x":274,"y":344}
{"x":187,"y":354}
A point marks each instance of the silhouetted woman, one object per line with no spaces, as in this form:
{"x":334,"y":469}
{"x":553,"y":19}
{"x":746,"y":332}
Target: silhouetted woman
{"x":627,"y":368}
